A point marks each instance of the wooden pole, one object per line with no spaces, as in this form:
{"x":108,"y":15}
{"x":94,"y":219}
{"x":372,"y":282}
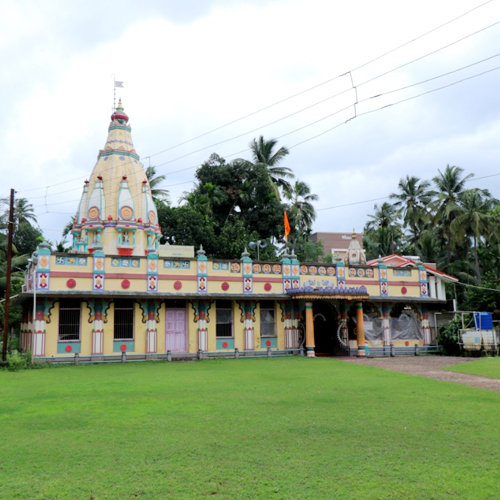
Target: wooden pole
{"x":7,"y":277}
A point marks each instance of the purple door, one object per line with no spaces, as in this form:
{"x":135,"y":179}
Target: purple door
{"x":176,"y":330}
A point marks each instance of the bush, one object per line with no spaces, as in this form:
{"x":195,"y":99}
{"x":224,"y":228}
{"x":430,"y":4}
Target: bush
{"x":449,"y":336}
{"x":20,"y":361}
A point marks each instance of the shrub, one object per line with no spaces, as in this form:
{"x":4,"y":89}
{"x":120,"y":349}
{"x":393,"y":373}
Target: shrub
{"x":449,"y":336}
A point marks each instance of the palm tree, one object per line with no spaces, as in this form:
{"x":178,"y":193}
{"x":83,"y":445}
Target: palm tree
{"x":301,"y":208}
{"x":263,"y":152}
{"x":158,"y":194}
{"x":474,"y":220}
{"x":23,"y":212}
{"x":450,"y":189}
{"x":413,"y":198}
{"x":383,"y":234}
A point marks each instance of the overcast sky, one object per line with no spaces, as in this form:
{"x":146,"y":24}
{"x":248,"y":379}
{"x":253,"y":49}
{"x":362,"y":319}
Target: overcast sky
{"x":189,"y":68}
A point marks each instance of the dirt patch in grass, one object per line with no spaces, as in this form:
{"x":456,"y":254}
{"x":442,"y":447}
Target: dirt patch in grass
{"x":430,"y":367}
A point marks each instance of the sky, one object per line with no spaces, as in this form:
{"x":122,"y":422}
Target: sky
{"x":208,"y":76}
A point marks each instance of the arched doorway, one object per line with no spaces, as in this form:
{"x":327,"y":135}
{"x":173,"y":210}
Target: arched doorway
{"x":325,"y":328}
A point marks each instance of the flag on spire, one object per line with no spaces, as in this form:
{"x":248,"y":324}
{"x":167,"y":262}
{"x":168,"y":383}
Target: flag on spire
{"x":118,"y":84}
{"x":287,"y":227}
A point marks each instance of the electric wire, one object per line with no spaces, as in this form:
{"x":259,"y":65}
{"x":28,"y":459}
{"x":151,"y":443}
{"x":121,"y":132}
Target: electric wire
{"x":304,"y":91}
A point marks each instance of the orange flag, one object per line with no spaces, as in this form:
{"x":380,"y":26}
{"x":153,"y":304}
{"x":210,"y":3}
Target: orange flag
{"x":287,"y":227}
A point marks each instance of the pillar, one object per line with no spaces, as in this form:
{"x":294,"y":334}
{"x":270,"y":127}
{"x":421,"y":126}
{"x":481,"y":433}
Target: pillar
{"x":386,"y":325}
{"x":98,"y":329}
{"x":151,"y":330}
{"x":360,"y":330}
{"x":310,"y":330}
{"x":38,"y":337}
{"x":426,"y":330}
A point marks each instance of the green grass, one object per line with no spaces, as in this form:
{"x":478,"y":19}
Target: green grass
{"x":486,"y":367}
{"x":244,"y":429}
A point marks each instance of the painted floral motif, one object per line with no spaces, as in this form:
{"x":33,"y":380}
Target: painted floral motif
{"x":152,"y":265}
{"x":248,"y":268}
{"x":202,"y":267}
{"x":286,"y":270}
{"x":340,"y":271}
{"x":266,"y":268}
{"x":235,"y":267}
{"x":276,"y":269}
{"x":248,"y":284}
{"x":43,"y":280}
{"x":99,"y":263}
{"x":202,"y":284}
{"x":257,"y":268}
{"x":152,"y":282}
{"x":44,"y":262}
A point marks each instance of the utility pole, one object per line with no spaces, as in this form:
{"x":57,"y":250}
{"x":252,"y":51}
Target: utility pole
{"x":7,"y":285}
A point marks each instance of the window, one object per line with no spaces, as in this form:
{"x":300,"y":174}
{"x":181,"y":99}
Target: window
{"x":267,"y":319}
{"x":124,"y":320}
{"x":69,"y":320}
{"x":224,"y":322}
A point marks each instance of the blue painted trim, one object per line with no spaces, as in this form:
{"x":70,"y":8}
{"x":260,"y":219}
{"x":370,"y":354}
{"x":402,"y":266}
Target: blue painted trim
{"x":118,"y":153}
{"x":129,"y":343}
{"x":273,"y":340}
{"x":230,"y":344}
{"x":76,"y":347}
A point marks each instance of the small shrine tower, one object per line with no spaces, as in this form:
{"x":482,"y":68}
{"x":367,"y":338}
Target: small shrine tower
{"x":116,"y":213}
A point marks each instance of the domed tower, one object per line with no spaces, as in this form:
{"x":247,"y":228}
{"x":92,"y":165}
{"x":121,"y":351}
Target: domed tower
{"x":117,"y":211}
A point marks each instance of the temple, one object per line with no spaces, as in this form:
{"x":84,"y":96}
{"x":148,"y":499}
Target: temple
{"x":118,"y":294}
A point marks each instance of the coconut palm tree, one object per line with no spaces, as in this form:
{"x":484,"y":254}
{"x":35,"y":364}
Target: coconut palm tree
{"x":450,"y":188}
{"x":301,"y":209}
{"x":158,"y":194}
{"x":474,"y":220}
{"x":23,"y":212}
{"x":412,"y":201}
{"x":264,"y":152}
{"x":383,"y":234}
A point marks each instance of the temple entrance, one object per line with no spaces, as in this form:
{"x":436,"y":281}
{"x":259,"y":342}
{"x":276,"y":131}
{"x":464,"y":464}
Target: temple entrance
{"x":176,"y":328}
{"x":325,"y":328}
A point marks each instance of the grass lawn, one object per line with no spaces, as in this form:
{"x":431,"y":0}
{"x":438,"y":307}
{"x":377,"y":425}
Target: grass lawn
{"x":291,"y":428}
{"x":486,"y":367}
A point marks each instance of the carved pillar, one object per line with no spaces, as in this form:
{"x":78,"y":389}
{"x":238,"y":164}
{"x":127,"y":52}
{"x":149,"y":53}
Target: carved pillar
{"x":38,"y":340}
{"x":98,"y":329}
{"x":386,"y":325}
{"x":249,"y":325}
{"x":151,"y":330}
{"x":360,"y":330}
{"x":310,"y":330}
{"x":426,"y":330}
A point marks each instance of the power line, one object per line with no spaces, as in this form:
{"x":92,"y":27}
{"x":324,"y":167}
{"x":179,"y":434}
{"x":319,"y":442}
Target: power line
{"x":299,"y":93}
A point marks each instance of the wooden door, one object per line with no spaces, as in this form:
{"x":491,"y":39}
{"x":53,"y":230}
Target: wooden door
{"x":176,"y":330}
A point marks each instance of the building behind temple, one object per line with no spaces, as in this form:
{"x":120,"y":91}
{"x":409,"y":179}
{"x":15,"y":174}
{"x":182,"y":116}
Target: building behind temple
{"x":116,"y":293}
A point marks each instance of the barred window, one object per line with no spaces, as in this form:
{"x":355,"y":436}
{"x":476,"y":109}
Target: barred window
{"x":124,"y":320}
{"x":267,"y":319}
{"x":224,"y":322}
{"x":69,"y":320}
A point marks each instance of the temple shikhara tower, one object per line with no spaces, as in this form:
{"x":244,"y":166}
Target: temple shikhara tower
{"x":116,"y":213}
{"x":119,"y":294}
